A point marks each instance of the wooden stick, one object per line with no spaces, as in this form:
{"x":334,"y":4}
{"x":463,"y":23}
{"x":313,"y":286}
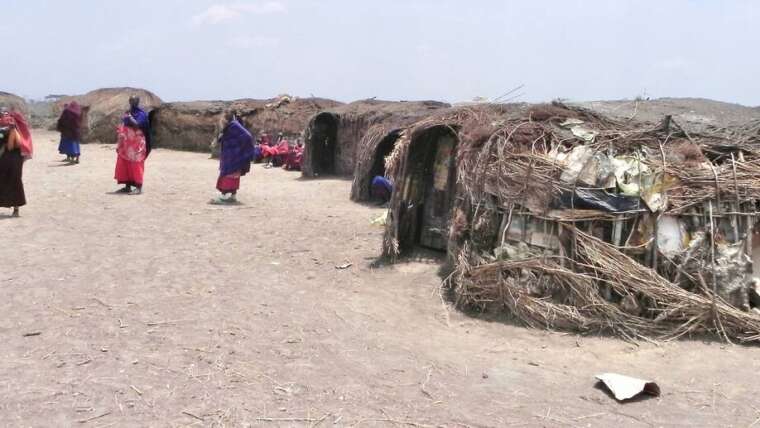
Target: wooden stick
{"x":185,"y":412}
{"x":712,"y":261}
{"x":735,"y":219}
{"x":289,"y":419}
{"x":84,"y":421}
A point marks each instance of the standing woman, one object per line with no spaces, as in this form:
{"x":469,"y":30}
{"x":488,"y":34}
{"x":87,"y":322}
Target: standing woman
{"x":70,"y":127}
{"x":15,"y":148}
{"x":133,"y":148}
{"x":236,"y":154}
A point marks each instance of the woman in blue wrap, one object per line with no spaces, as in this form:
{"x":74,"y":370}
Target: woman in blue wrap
{"x":236,"y":154}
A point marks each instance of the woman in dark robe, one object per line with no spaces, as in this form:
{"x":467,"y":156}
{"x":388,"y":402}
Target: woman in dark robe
{"x":15,"y":148}
{"x":237,"y":151}
{"x":70,"y":127}
{"x":133,"y":148}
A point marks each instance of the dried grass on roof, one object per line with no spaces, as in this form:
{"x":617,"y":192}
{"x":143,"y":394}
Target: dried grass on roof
{"x":507,"y":167}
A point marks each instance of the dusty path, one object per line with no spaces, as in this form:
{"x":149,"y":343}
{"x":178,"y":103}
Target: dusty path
{"x":160,"y":310}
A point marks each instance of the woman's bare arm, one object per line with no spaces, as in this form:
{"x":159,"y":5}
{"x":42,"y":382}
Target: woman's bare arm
{"x":14,"y":140}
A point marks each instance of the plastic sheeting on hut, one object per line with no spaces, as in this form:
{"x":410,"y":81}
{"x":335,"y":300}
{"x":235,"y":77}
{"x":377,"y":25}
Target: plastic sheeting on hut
{"x":338,"y":139}
{"x":569,"y":220}
{"x":195,"y":125}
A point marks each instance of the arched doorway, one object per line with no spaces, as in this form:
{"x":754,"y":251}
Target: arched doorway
{"x":382,"y":151}
{"x":429,"y":189}
{"x":324,"y":144}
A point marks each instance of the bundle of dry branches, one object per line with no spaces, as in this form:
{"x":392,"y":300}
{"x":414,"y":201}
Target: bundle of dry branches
{"x":593,"y":285}
{"x":571,"y":297}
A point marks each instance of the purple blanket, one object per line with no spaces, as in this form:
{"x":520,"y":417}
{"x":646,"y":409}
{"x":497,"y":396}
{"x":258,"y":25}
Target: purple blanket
{"x":237,"y":149}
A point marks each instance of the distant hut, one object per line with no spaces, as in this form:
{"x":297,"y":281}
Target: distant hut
{"x":567,"y":219}
{"x":13,"y":102}
{"x":194,"y":125}
{"x":103,"y":110}
{"x":336,"y":139}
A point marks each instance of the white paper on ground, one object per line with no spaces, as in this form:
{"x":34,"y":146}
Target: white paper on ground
{"x":625,"y":387}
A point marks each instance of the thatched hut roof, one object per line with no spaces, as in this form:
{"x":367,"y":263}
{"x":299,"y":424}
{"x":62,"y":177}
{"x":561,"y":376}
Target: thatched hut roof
{"x":106,"y":108}
{"x":194,"y":125}
{"x":13,"y":102}
{"x":380,"y":139}
{"x":569,"y":219}
{"x":351,"y":123}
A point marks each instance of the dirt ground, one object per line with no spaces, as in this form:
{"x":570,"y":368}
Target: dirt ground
{"x":161,"y":310}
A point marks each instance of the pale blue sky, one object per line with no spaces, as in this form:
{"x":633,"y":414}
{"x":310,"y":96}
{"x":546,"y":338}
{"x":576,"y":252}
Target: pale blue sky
{"x":394,"y":49}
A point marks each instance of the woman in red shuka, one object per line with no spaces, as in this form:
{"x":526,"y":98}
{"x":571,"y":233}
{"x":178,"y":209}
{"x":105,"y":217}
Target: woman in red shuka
{"x":133,"y":148}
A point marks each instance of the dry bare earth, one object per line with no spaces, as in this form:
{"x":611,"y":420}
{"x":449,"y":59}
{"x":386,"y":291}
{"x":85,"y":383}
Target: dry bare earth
{"x":160,"y":310}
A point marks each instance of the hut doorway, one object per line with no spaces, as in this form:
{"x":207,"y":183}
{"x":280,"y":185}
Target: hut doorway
{"x":378,"y":160}
{"x":324,"y":144}
{"x":432,"y":175}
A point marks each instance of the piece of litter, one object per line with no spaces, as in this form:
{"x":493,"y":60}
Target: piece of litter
{"x":31,"y":334}
{"x":571,"y":122}
{"x":344,"y":266}
{"x":380,"y":220}
{"x":626,"y":388}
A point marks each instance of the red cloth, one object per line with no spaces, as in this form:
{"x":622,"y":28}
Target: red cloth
{"x":294,"y":159}
{"x":129,"y":172}
{"x":283,"y":148}
{"x":18,"y":121}
{"x":267,"y":151}
{"x":131,"y":144}
{"x":228,"y":183}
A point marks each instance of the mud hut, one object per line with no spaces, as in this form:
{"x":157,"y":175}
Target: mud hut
{"x":105,"y":108}
{"x":380,"y":140}
{"x":194,"y":125}
{"x":333,"y":137}
{"x":13,"y":102}
{"x":423,"y":169}
{"x":567,"y":219}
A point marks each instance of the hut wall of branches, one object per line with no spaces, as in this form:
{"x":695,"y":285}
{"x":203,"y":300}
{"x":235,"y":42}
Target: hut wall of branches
{"x":336,"y":140}
{"x":195,"y":125}
{"x":570,"y":220}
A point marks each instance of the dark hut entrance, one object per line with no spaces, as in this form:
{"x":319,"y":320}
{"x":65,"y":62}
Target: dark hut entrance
{"x":378,"y":160}
{"x":324,"y":143}
{"x":430,"y":189}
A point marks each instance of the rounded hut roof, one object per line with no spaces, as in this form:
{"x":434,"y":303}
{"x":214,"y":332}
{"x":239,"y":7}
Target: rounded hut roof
{"x":192,"y":125}
{"x":106,"y":106}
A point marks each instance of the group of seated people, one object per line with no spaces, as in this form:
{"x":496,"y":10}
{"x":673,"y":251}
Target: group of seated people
{"x":279,"y":152}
